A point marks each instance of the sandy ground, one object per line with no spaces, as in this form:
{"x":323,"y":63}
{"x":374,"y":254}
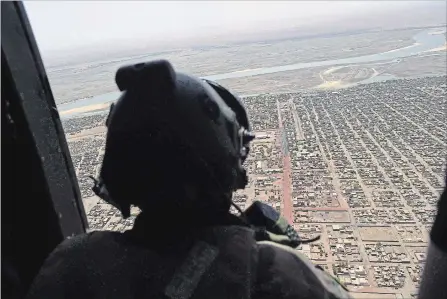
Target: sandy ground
{"x":331,"y":85}
{"x":438,"y":32}
{"x":91,"y":78}
{"x":85,"y":109}
{"x":407,"y":47}
{"x":442,"y":48}
{"x":336,"y":84}
{"x":373,"y":296}
{"x":88,"y":132}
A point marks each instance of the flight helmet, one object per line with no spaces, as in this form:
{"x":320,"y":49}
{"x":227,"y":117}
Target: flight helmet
{"x":168,"y":128}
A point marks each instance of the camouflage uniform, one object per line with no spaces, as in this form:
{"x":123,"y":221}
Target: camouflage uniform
{"x":214,"y":262}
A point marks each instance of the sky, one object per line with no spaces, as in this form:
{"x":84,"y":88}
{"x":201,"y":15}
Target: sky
{"x":61,"y":25}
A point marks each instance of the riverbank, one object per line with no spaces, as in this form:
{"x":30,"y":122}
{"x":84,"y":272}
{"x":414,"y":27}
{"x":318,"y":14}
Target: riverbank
{"x":94,"y":110}
{"x":247,"y":81}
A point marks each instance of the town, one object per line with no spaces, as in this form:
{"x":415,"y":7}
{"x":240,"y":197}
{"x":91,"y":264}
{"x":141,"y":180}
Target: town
{"x":362,"y":167}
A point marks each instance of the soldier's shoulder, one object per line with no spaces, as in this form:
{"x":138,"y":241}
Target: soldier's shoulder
{"x":80,"y":243}
{"x":294,"y":272}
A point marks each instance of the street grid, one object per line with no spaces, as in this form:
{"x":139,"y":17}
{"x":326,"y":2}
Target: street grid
{"x":363,"y":167}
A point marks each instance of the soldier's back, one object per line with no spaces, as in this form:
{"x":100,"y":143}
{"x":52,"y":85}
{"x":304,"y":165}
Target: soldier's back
{"x":218,"y":262}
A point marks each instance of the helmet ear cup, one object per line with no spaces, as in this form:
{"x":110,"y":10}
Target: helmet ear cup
{"x":241,"y":115}
{"x":233,"y":102}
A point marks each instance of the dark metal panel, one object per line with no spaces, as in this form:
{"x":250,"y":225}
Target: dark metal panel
{"x":30,"y":80}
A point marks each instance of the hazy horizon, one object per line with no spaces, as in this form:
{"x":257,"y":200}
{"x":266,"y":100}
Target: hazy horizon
{"x":67,"y":28}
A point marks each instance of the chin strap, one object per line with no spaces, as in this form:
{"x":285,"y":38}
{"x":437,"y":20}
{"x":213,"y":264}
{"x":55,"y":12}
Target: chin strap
{"x":101,"y":191}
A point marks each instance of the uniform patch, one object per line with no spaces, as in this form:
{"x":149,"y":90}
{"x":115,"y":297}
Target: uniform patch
{"x":187,"y":276}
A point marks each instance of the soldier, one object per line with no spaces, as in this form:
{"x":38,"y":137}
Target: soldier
{"x":175,"y":148}
{"x":435,"y":269}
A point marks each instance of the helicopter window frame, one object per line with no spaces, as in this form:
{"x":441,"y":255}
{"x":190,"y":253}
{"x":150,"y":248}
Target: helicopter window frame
{"x":30,"y":82}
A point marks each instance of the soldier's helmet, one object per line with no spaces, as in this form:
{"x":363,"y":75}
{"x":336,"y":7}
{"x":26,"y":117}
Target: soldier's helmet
{"x":170,"y":129}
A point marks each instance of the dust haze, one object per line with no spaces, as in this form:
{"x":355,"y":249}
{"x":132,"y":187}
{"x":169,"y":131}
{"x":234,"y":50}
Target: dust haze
{"x":75,"y":32}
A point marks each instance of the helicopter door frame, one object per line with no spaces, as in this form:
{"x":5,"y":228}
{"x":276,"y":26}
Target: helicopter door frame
{"x":30,"y":80}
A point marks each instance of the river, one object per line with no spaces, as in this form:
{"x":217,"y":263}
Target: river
{"x":423,"y":41}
